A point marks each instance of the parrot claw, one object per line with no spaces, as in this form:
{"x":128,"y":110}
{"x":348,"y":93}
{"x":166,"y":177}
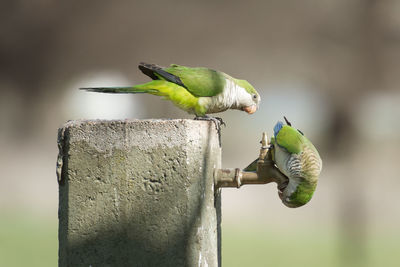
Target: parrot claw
{"x":218,"y":122}
{"x":282,"y":187}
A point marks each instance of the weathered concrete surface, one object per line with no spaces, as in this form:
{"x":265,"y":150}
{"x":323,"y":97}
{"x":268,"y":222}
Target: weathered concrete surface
{"x":138,"y":193}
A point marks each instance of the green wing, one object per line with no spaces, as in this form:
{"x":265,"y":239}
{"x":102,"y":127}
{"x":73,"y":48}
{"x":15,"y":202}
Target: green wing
{"x":199,"y":81}
{"x":290,"y":139}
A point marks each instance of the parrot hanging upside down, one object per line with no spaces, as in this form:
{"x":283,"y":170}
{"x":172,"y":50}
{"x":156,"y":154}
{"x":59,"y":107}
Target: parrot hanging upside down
{"x":297,"y":158}
{"x":199,"y":91}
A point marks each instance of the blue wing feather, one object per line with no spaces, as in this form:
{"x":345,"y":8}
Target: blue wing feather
{"x":277,"y":128}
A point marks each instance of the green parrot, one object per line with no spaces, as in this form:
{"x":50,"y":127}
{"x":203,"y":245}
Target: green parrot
{"x":297,"y":158}
{"x":198,"y":91}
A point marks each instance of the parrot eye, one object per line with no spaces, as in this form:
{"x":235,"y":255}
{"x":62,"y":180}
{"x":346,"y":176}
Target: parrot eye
{"x":300,"y":132}
{"x":254,"y":96}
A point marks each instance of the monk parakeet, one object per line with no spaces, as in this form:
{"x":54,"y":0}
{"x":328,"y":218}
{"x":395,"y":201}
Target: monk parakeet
{"x":296,"y":157}
{"x":199,"y":91}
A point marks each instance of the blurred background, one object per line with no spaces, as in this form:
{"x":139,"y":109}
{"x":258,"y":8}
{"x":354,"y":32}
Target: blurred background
{"x":331,"y":66}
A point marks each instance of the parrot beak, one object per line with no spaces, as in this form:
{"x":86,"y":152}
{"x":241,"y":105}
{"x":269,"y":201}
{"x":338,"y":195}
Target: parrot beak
{"x":250,"y":109}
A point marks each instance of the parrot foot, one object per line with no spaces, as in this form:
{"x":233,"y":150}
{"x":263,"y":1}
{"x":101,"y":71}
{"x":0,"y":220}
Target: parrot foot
{"x":282,"y":186}
{"x":218,"y":122}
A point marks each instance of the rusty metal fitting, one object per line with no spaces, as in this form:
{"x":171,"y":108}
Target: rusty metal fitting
{"x":266,"y":171}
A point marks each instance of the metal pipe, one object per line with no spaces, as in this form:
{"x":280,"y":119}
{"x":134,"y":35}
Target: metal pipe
{"x":266,"y":172}
{"x":236,"y":177}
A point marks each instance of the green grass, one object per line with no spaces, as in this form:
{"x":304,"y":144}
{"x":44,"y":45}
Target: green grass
{"x":269,"y":247}
{"x":278,"y":247}
{"x":384,"y":248}
{"x":28,"y":241}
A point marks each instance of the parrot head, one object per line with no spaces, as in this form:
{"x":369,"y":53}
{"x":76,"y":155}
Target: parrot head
{"x":250,"y":101}
{"x":296,"y":157}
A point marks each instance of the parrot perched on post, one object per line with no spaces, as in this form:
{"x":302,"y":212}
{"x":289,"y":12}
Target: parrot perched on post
{"x":298,"y":159}
{"x":198,"y":91}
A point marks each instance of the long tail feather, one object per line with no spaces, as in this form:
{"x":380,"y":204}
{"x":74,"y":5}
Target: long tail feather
{"x":118,"y":90}
{"x":168,"y":90}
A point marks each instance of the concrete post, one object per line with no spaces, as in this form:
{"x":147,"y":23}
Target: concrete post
{"x":138,"y":193}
